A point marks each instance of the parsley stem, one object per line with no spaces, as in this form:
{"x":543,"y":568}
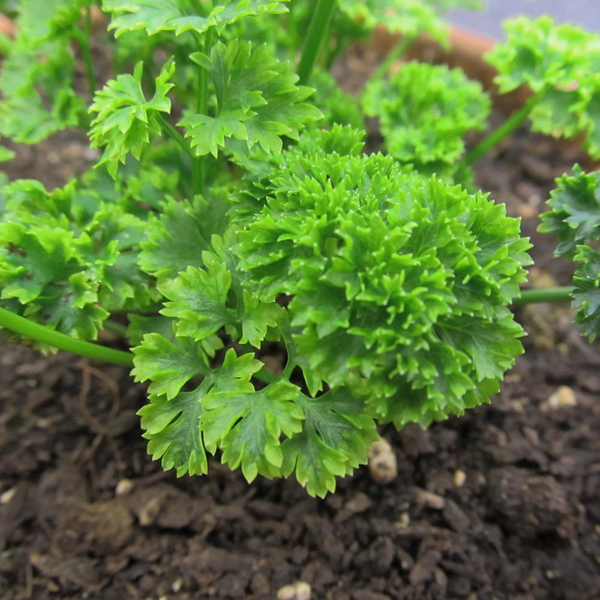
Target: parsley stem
{"x":44,"y":334}
{"x":395,"y":53}
{"x":318,"y":31}
{"x":85,"y":38}
{"x":558,"y":294}
{"x":174,"y":134}
{"x":516,"y":119}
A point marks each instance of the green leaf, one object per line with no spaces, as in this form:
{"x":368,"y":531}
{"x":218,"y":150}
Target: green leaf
{"x":560,"y":64}
{"x":172,"y":428}
{"x":399,"y":286}
{"x":586,"y":296}
{"x":198,"y":299}
{"x":126,"y":120}
{"x":173,"y":424}
{"x":43,"y":20}
{"x":38,"y":98}
{"x":258,"y":100}
{"x":155,"y":16}
{"x":575,"y":211}
{"x":425,"y":112}
{"x":167,"y":365}
{"x":247,"y":427}
{"x":337,"y":107}
{"x":179,"y":237}
{"x":335,"y":439}
{"x":409,"y":17}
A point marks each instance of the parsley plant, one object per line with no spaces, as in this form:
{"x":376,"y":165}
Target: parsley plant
{"x":233,"y":216}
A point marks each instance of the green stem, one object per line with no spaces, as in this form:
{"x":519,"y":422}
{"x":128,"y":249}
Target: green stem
{"x":84,"y":38}
{"x":316,"y":36}
{"x":199,"y":163}
{"x":516,"y":119}
{"x":267,"y":377}
{"x":174,"y":134}
{"x":395,"y":53}
{"x":43,"y":334}
{"x":558,"y":294}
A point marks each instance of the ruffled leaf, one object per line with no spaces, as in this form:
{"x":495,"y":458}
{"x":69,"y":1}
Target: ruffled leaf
{"x":126,"y":121}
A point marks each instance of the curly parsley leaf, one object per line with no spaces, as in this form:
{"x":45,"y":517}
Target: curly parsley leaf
{"x":384,"y":268}
{"x":425,"y":112}
{"x":559,"y":63}
{"x":409,"y":17}
{"x":126,"y":120}
{"x":38,"y":97}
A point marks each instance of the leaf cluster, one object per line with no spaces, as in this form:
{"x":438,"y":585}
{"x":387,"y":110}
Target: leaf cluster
{"x":425,"y":112}
{"x":560,"y":63}
{"x":37,"y":76}
{"x":575,"y":219}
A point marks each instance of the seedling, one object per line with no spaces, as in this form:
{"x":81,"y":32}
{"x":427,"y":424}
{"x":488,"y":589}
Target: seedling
{"x":233,"y":216}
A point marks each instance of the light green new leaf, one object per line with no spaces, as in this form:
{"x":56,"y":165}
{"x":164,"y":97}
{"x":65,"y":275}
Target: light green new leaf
{"x":409,"y":17}
{"x":425,"y":112}
{"x":560,"y":64}
{"x":126,"y":120}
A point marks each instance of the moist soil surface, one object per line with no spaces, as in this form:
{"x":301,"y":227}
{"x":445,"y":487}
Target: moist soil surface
{"x":502,"y":503}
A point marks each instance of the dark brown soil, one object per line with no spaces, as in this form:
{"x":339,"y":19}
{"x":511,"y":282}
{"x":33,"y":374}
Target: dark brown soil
{"x":500,"y":504}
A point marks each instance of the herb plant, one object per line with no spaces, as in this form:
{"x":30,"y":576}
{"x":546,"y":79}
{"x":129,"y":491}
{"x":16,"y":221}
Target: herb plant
{"x":233,"y":215}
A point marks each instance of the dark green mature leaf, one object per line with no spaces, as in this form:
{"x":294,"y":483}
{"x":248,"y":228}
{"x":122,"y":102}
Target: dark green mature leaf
{"x":575,"y":214}
{"x":179,"y":16}
{"x":172,"y":422}
{"x":258,"y":101}
{"x":126,"y":120}
{"x":178,"y":238}
{"x":586,"y":296}
{"x":425,"y":112}
{"x":172,"y":428}
{"x":335,"y":439}
{"x":248,"y":427}
{"x":200,"y":301}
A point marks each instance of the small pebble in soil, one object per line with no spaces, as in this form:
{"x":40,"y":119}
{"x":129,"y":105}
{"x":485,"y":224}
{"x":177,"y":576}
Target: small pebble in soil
{"x":563,"y":397}
{"x":383,"y":465}
{"x":459,"y":478}
{"x":124,"y":488}
{"x":295,"y":591}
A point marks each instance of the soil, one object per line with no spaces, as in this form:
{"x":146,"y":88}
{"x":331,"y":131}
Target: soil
{"x":503,"y":503}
